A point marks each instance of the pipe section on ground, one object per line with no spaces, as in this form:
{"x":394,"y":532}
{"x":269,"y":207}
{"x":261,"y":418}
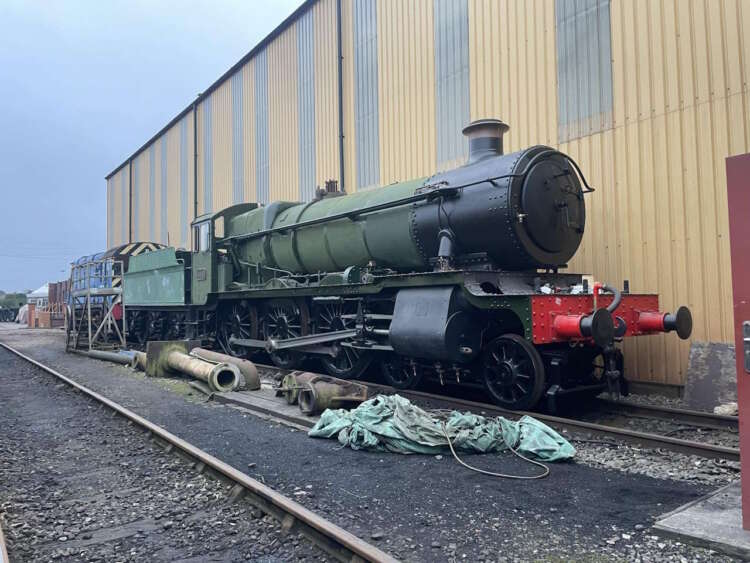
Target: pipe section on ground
{"x":116,"y":357}
{"x":292,"y":383}
{"x":246,"y":367}
{"x":315,"y":393}
{"x":139,"y":361}
{"x":221,"y":377}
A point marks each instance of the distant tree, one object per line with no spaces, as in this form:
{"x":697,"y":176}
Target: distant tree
{"x":12,"y":300}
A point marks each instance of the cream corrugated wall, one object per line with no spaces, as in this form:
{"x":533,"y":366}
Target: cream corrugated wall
{"x":248,"y":134}
{"x":282,"y":117}
{"x":117,"y":211}
{"x":123,"y":224}
{"x":659,"y":216}
{"x":406,"y":89}
{"x":680,"y":108}
{"x":347,"y":78}
{"x":140,"y":197}
{"x":115,"y":201}
{"x":157,"y":234}
{"x":110,"y":210}
{"x":173,"y":186}
{"x":513,"y":68}
{"x":201,"y":180}
{"x":326,"y":92}
{"x":222,"y":146}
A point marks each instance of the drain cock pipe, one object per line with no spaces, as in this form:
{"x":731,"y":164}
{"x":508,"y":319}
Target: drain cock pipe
{"x":221,"y":377}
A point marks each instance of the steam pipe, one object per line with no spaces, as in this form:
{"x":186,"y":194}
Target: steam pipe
{"x":617,"y":297}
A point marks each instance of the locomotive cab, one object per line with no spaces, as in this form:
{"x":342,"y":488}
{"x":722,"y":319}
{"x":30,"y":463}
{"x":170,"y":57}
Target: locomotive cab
{"x":211,"y":266}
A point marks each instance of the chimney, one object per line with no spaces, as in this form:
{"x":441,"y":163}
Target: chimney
{"x":485,"y":138}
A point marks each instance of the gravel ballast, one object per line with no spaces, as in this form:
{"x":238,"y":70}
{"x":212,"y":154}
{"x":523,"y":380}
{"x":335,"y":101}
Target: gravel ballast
{"x":419,"y":508}
{"x":77,"y":484}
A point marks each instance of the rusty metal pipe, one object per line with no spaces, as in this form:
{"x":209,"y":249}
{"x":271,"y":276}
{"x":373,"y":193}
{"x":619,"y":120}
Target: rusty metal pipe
{"x":246,"y":367}
{"x":221,"y":377}
{"x":293,"y":383}
{"x":318,"y":396}
{"x":325,"y":392}
{"x":139,"y":361}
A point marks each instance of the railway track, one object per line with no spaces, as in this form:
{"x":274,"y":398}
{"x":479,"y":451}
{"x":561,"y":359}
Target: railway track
{"x":626,"y":435}
{"x":332,"y":539}
{"x":3,"y":549}
{"x":679,"y":416}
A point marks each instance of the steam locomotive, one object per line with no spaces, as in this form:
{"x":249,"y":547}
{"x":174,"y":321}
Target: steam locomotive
{"x":456,"y":277}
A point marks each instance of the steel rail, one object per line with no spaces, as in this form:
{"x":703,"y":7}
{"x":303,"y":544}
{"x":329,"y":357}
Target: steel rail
{"x":3,"y":548}
{"x":643,"y":439}
{"x":682,"y":416}
{"x":336,"y":541}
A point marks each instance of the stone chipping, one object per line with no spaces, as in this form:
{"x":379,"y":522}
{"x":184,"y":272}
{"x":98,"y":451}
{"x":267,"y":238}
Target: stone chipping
{"x":77,"y":484}
{"x":426,"y":508}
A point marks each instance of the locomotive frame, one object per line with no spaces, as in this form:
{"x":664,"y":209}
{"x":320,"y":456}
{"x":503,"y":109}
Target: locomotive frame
{"x":344,"y":319}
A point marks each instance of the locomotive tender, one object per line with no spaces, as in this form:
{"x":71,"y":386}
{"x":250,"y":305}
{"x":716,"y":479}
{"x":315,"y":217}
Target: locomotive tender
{"x":455,"y":276}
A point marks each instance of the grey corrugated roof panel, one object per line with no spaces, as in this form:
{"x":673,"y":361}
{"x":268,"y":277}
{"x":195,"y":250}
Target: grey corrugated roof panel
{"x":259,"y":47}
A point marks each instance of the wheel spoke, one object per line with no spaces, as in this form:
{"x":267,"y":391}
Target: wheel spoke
{"x":511,"y":372}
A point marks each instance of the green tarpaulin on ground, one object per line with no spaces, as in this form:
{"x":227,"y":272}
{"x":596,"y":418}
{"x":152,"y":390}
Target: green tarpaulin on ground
{"x":391,"y":423}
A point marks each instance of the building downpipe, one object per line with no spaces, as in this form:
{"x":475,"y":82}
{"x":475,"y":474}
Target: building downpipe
{"x":195,"y":159}
{"x":341,"y":95}
{"x":130,"y":200}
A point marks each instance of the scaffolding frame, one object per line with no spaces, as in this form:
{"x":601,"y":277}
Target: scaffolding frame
{"x":95,"y":286}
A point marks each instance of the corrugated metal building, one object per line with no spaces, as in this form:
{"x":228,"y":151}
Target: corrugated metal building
{"x":649,"y":96}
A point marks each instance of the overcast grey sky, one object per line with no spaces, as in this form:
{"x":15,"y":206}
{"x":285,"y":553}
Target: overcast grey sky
{"x":82,"y":85}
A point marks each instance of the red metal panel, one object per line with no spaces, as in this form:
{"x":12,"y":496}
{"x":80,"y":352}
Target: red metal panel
{"x":544,"y":309}
{"x":738,"y":198}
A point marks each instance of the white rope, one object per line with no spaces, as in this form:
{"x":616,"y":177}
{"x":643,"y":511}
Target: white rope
{"x":492,"y":473}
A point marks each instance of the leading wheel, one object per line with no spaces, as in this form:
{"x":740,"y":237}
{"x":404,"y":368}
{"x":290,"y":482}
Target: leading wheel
{"x":238,"y":320}
{"x":348,"y":363}
{"x":283,"y":319}
{"x":513,"y":372}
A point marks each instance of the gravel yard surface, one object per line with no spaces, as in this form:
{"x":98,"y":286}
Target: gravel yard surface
{"x":673,"y":428}
{"x":77,"y":484}
{"x":659,"y":464}
{"x":655,"y":400}
{"x":419,"y":508}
